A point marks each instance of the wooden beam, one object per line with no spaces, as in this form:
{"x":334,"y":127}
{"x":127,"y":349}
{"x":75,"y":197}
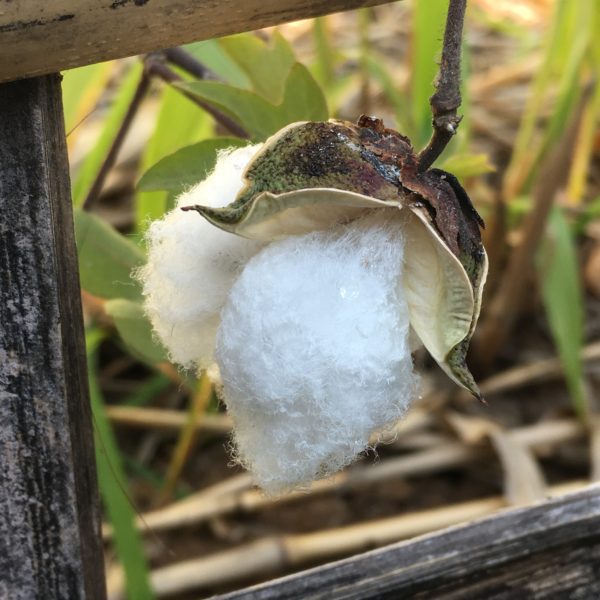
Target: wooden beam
{"x":49,"y":515}
{"x":45,"y":37}
{"x":551,"y":550}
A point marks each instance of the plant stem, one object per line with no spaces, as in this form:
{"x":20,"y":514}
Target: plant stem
{"x":111,"y":156}
{"x":184,"y":60}
{"x":446,"y":99}
{"x":154,"y":65}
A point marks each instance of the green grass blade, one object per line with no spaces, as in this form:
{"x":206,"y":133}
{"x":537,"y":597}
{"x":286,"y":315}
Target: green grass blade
{"x":569,"y":90}
{"x":584,"y":145}
{"x":112,"y":488}
{"x":214,"y":56}
{"x":565,"y":47}
{"x":584,"y":148}
{"x":427,"y":35}
{"x":266,"y":65}
{"x":563,"y":300}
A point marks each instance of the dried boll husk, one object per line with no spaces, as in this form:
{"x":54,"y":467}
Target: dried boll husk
{"x":311,"y":176}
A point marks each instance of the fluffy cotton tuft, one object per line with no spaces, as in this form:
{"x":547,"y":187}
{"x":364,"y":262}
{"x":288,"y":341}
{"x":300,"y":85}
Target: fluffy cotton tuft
{"x":192,"y":265}
{"x":313,"y":350}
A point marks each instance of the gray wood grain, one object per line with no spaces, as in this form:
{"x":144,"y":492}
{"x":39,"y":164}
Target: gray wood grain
{"x":49,"y":515}
{"x":547,"y":551}
{"x":44,"y":37}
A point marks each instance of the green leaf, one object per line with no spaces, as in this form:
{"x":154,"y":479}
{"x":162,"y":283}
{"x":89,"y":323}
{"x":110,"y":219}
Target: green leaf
{"x":186,"y":167}
{"x":252,"y":111}
{"x":106,"y":258}
{"x":427,"y":34}
{"x":303,"y":101}
{"x":563,"y":300}
{"x":87,"y":171}
{"x":180,"y":122}
{"x":113,"y":488}
{"x":135,"y":330}
{"x":214,"y":56}
{"x":266,"y":65}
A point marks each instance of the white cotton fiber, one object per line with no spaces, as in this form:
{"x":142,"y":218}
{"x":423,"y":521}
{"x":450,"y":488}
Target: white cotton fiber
{"x":313,"y":350}
{"x":192,"y":265}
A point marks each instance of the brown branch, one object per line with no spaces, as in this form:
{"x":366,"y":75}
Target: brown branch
{"x":156,"y":66}
{"x":184,"y":60}
{"x":111,"y":156}
{"x":446,"y":99}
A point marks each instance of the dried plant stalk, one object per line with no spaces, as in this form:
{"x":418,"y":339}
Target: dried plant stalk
{"x":277,"y":553}
{"x":236,"y":495}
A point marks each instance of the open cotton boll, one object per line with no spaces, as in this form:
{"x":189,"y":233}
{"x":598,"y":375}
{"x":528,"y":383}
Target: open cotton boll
{"x":192,"y":265}
{"x":313,"y":350}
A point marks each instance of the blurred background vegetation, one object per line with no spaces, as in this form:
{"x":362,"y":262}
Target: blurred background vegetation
{"x":179,"y":521}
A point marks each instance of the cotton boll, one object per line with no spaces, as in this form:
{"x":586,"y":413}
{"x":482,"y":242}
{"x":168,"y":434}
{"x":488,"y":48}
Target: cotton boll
{"x":192,"y":265}
{"x":313,"y":350}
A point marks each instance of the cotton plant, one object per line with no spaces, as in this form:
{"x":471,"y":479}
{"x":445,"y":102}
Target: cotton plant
{"x":317,"y":256}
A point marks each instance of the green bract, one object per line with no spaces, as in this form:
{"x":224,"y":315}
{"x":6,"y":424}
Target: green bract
{"x":313,"y":175}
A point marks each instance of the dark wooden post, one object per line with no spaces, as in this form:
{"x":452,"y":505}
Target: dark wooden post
{"x":49,"y":515}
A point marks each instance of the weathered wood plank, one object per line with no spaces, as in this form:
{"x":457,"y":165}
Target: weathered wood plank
{"x":44,"y":37}
{"x":49,"y":514}
{"x":551,"y":550}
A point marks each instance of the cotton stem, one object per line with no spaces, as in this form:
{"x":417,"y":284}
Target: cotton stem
{"x":446,"y":99}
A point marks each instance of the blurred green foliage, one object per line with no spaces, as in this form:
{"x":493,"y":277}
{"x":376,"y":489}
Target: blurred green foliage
{"x":106,"y":259}
{"x":569,"y":58}
{"x":563,"y":299}
{"x":178,"y":123}
{"x":86,"y":173}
